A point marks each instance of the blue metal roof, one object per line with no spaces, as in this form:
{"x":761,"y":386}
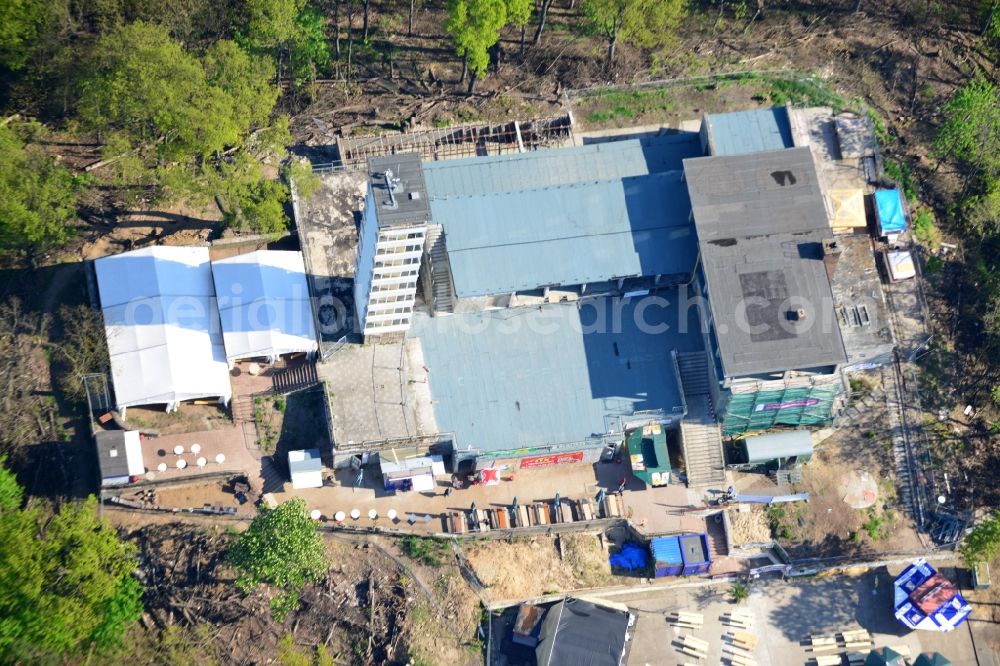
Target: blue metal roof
{"x":560,"y":166}
{"x":502,"y":380}
{"x":666,"y":550}
{"x":568,"y":234}
{"x":567,"y":216}
{"x":889,"y":206}
{"x":745,"y":132}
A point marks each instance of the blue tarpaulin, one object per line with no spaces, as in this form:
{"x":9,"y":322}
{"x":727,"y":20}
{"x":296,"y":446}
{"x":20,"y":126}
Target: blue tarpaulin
{"x":631,"y":557}
{"x":889,"y":206}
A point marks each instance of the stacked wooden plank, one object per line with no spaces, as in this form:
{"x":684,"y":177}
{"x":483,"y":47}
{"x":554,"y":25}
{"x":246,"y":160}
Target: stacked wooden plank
{"x":694,"y":647}
{"x":823,"y":643}
{"x":743,"y":639}
{"x":738,"y":618}
{"x":856,"y":639}
{"x":686,"y":620}
{"x":828,"y":660}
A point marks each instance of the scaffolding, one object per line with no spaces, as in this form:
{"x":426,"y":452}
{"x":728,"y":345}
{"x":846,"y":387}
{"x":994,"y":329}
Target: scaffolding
{"x":444,"y":143}
{"x":793,"y":406}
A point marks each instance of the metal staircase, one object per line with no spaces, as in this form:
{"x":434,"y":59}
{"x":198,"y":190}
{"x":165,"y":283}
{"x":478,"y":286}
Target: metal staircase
{"x":701,"y":440}
{"x":701,"y":436}
{"x":437,"y":254}
{"x":693,"y":368}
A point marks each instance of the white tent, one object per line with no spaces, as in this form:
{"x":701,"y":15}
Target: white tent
{"x":162,"y":325}
{"x":264,"y":304}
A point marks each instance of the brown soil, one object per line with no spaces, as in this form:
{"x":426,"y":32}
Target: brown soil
{"x":366,"y":611}
{"x":188,"y":418}
{"x":748,"y":527}
{"x":825,"y":525}
{"x":532,"y":567}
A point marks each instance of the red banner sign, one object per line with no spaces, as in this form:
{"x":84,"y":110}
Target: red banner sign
{"x":554,"y":459}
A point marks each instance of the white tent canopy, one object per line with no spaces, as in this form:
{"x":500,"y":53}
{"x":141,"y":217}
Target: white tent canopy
{"x":162,"y":325}
{"x":264,"y":304}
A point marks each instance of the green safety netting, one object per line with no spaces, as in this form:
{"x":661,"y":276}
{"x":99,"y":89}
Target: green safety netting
{"x":760,"y":410}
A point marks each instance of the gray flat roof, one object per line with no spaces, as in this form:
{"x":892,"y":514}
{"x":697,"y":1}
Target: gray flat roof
{"x":859,"y":301}
{"x":761,"y":223}
{"x":754,"y":285}
{"x":754,"y":195}
{"x":411,"y":205}
{"x":310,"y":461}
{"x":111,"y":466}
{"x":567,"y":216}
{"x":508,"y":379}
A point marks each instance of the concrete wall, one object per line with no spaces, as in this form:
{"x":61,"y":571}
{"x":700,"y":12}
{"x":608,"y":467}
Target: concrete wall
{"x":366,"y":260}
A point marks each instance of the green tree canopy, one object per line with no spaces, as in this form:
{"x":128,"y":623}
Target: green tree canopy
{"x":645,"y":23}
{"x":191,"y":127}
{"x":982,"y":544}
{"x":970,"y":132}
{"x":38,"y":197}
{"x":158,"y":96}
{"x":288,"y":30}
{"x":474,"y":26}
{"x":66,"y":579}
{"x":19,"y":23}
{"x":280,"y":548}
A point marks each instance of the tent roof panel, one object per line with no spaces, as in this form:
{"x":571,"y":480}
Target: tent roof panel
{"x":162,"y":326}
{"x":264,"y":304}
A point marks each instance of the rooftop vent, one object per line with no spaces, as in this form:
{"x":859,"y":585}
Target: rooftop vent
{"x":392,"y":186}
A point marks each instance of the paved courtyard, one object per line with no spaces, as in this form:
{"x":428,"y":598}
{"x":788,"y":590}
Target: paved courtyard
{"x":786,"y":614}
{"x":377,"y":392}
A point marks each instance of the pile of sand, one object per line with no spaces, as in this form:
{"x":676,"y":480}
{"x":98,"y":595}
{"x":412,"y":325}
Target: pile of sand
{"x":748,"y":526}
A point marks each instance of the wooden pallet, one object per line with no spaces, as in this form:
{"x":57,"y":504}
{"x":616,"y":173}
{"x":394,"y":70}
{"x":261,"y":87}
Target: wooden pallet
{"x":744,"y":639}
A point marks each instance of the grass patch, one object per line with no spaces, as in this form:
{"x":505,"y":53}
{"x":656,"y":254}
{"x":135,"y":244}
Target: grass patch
{"x":267,"y":435}
{"x":609,"y":105}
{"x":428,"y":551}
{"x":859,"y":387}
{"x":881,"y":132}
{"x":776,"y":517}
{"x":877,"y":527}
{"x":900,"y":173}
{"x":934,"y":264}
{"x":805,"y":91}
{"x":924,"y":228}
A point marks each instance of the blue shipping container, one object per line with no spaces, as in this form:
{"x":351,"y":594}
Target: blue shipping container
{"x":694,"y":550}
{"x":667,"y":556}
